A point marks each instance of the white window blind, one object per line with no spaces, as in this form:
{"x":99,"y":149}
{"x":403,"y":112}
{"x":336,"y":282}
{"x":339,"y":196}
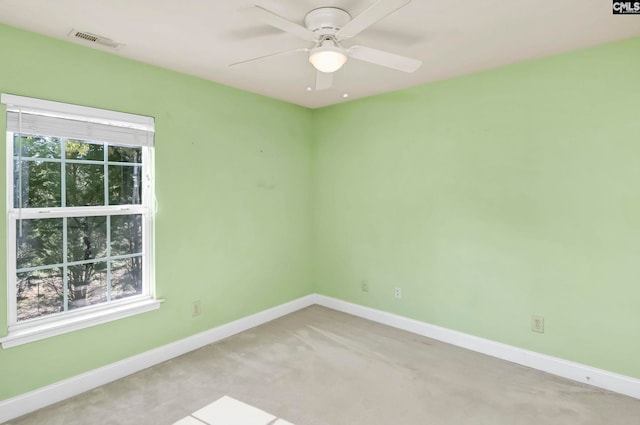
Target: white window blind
{"x":36,"y":116}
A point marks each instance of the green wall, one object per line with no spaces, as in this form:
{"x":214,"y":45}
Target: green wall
{"x":490,"y":198}
{"x":233,"y":227}
{"x":486,"y":198}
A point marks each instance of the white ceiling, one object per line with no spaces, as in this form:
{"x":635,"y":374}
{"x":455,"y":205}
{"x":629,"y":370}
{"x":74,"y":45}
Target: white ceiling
{"x":201,"y":37}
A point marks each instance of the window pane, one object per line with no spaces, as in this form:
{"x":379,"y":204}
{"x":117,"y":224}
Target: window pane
{"x":126,"y":277}
{"x":125,"y":184}
{"x":40,"y":184}
{"x":71,"y":247}
{"x":85,"y":185}
{"x":36,"y":146}
{"x":83,"y":150}
{"x":40,"y":243}
{"x":86,"y":238}
{"x":125,"y":154}
{"x":39,"y":293}
{"x":126,"y":234}
{"x":87,"y":284}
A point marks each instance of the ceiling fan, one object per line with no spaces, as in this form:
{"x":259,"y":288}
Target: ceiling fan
{"x":326,"y":27}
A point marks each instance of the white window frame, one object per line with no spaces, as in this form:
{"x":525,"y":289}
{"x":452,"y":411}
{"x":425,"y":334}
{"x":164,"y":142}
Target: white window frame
{"x":112,"y":127}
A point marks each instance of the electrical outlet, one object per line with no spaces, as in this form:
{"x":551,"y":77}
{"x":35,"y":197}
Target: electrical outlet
{"x":364,"y":285}
{"x":397,"y":293}
{"x":196,"y":308}
{"x":537,"y":324}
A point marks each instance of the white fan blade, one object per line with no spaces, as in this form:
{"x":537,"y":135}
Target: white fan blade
{"x":279,"y":22}
{"x":270,"y":55}
{"x":324,"y":80}
{"x":379,"y":57}
{"x":373,"y":14}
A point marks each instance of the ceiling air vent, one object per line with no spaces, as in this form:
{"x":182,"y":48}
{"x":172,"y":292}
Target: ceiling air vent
{"x":93,"y":38}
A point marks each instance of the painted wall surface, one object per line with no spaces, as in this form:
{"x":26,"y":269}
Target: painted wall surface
{"x":233,"y":184}
{"x":490,"y":198}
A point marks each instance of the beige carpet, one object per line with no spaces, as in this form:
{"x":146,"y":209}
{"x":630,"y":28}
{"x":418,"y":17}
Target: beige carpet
{"x":321,"y":367}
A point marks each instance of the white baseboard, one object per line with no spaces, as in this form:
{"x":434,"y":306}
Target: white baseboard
{"x":37,"y":399}
{"x":556,"y":366}
{"x":45,"y":396}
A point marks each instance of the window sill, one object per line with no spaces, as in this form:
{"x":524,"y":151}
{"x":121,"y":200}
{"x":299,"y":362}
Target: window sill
{"x":25,"y":333}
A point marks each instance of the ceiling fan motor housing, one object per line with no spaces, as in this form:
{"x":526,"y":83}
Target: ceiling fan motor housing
{"x":326,"y":20}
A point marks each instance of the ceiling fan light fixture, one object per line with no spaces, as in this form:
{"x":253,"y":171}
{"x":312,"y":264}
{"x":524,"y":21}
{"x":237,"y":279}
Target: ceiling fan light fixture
{"x":327,"y":58}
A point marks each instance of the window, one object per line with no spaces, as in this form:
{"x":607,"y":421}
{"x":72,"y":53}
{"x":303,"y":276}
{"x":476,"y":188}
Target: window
{"x":79,"y":192}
